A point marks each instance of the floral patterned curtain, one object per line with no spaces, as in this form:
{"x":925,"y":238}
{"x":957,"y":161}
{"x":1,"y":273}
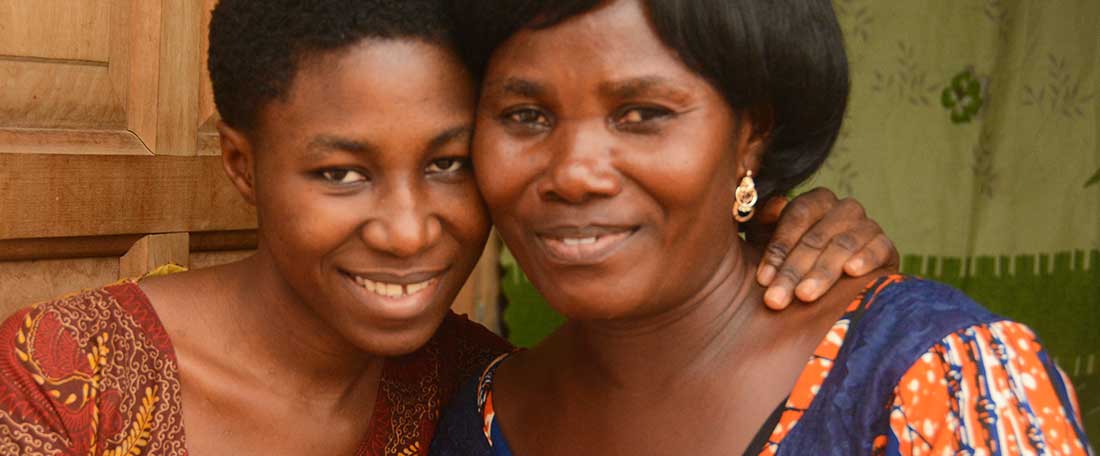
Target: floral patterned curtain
{"x":972,"y":136}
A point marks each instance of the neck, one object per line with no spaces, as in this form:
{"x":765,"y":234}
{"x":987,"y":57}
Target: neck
{"x":686,"y":340}
{"x":281,"y":335}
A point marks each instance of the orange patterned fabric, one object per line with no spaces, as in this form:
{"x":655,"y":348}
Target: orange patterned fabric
{"x":934,"y":415}
{"x":942,"y":401}
{"x":94,"y":373}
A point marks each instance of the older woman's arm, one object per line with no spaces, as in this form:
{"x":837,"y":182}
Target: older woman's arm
{"x":818,"y":239}
{"x":987,"y":389}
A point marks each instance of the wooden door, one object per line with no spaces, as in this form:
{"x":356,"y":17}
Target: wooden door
{"x":108,"y":157}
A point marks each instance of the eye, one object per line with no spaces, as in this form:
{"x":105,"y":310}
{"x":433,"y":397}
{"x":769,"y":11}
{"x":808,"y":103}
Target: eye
{"x":635,"y":116}
{"x":528,"y":117}
{"x":342,"y":176}
{"x":446,"y":165}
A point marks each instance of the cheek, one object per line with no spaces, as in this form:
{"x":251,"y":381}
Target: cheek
{"x":304,"y":224}
{"x":686,"y":174}
{"x":463,"y":214}
{"x":503,"y":168}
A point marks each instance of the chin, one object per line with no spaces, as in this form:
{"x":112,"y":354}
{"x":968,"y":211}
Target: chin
{"x":389,"y":343}
{"x":588,"y":305}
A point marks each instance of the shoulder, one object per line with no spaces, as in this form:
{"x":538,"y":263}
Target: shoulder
{"x":465,"y":422}
{"x":416,"y":387}
{"x":467,"y":346}
{"x":900,"y":317}
{"x":75,"y":320}
{"x":86,"y":357}
{"x":894,"y":321}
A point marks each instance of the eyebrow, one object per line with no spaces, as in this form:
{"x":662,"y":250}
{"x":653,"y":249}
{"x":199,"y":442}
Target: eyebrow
{"x":449,"y":135}
{"x":626,"y":88}
{"x":323,"y":145}
{"x":642,"y":86}
{"x":518,"y":87}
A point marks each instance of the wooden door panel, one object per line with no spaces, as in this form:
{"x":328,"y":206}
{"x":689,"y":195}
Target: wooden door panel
{"x":56,"y":29}
{"x":208,"y":113}
{"x":47,"y":196}
{"x":26,"y":282}
{"x":59,"y":94}
{"x":138,"y":71}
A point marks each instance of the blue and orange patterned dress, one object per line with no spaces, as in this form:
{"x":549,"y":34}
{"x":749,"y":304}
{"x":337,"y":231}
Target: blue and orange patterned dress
{"x":912,"y":368}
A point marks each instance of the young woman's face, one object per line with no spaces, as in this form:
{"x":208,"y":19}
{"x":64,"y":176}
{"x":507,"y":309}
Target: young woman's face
{"x":608,"y":165}
{"x":364,"y":190}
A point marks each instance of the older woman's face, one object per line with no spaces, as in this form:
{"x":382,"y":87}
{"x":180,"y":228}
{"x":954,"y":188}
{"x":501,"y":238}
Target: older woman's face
{"x":607,"y":164}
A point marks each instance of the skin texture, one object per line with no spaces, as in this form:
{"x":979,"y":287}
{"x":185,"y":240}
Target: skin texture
{"x":361,"y":169}
{"x":596,"y":129}
{"x":373,"y":179}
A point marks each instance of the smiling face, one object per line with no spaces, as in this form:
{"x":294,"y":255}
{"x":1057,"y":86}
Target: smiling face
{"x":367,"y":204}
{"x":608,"y":165}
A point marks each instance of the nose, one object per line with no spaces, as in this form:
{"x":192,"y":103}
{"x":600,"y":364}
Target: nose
{"x":404,"y":224}
{"x":581,"y":168}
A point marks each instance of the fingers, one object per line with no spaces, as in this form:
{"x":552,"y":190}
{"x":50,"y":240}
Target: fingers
{"x":828,"y":244}
{"x":879,"y":253}
{"x":798,"y":217}
{"x":831,"y":264}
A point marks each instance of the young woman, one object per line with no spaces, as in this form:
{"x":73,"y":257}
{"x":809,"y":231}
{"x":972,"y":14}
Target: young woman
{"x":626,"y":140}
{"x":346,"y":123}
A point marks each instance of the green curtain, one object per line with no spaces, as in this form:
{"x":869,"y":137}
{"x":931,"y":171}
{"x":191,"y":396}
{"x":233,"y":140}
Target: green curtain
{"x":972,"y":137}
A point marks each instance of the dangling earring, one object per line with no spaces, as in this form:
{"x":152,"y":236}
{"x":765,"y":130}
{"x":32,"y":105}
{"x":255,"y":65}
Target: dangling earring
{"x":746,"y":199}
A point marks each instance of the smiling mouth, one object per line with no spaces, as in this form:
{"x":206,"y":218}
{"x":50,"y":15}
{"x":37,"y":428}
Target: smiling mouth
{"x":393,"y":290}
{"x":584,"y":247}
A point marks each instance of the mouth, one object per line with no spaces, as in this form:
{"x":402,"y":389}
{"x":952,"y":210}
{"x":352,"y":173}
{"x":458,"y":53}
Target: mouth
{"x":393,"y":290}
{"x":583,"y":245}
{"x":393,"y":297}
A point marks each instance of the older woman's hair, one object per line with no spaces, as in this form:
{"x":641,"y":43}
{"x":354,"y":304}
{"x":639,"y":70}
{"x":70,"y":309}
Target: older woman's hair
{"x":780,"y":62}
{"x":257,"y":46}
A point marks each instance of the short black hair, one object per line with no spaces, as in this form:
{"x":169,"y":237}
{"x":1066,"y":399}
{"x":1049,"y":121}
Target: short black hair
{"x":257,"y":46}
{"x":781,"y":62}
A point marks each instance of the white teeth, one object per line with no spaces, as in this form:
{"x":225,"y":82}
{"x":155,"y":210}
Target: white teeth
{"x":392,"y":290}
{"x":415,"y":288}
{"x":579,"y":241}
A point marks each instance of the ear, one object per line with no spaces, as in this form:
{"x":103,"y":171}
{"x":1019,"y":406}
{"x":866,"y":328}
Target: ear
{"x":239,"y":160}
{"x":752,"y":140}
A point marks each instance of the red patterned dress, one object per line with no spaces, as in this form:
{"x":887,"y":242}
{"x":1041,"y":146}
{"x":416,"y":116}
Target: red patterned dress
{"x":94,"y":373}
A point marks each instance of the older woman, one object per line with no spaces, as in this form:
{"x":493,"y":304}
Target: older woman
{"x":627,"y":139}
{"x":346,"y":123}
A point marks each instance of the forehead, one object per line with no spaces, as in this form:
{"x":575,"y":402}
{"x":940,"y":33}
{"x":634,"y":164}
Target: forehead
{"x":373,"y":86}
{"x":614,"y":40}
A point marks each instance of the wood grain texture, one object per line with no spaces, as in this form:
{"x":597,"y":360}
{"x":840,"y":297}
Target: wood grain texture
{"x":135,"y":54}
{"x":201,"y":260}
{"x":70,"y":142}
{"x":55,"y":29}
{"x":46,"y":94}
{"x":116,"y":246}
{"x":153,"y":251}
{"x":179,"y":75}
{"x":208,"y":113}
{"x":26,"y":282}
{"x":63,"y":195}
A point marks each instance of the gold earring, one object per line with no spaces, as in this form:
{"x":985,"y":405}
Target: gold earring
{"x":746,"y":199}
